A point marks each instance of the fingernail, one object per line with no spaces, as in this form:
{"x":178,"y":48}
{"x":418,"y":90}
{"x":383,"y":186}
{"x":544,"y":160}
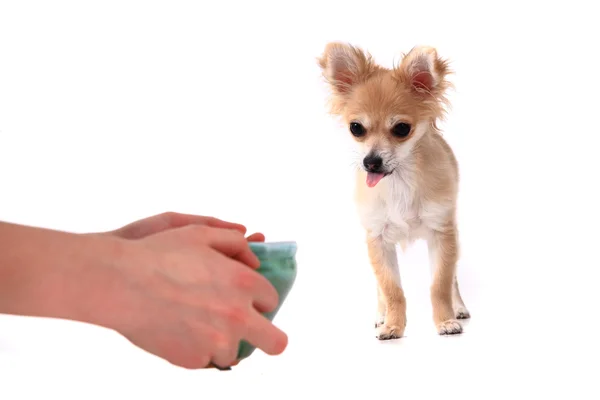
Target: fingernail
{"x":213,"y":365}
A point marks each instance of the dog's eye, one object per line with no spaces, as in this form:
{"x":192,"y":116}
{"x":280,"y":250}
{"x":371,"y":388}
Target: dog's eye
{"x":401,"y":130}
{"x":357,"y":129}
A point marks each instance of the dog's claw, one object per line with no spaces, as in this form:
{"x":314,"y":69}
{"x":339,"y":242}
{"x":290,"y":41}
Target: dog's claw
{"x":389,"y":333}
{"x":450,"y":327}
{"x":463,"y":313}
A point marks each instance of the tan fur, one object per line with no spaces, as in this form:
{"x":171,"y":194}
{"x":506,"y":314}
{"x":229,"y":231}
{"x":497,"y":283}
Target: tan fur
{"x":391,"y":303}
{"x":417,"y":197}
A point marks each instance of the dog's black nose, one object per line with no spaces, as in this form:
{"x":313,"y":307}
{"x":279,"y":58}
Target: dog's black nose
{"x":373,"y":163}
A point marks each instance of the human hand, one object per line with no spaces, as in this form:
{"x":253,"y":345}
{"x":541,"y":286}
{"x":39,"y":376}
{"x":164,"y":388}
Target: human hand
{"x":169,"y":220}
{"x":190,"y":295}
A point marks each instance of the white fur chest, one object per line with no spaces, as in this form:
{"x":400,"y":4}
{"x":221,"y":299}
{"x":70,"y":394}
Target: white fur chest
{"x":393,"y":210}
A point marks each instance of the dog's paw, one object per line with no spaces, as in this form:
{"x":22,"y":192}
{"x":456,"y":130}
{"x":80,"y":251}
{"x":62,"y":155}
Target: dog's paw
{"x":385,"y":332}
{"x":379,"y":321}
{"x":462,"y":313}
{"x":450,"y":327}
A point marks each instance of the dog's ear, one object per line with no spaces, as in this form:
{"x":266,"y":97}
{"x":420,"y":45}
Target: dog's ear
{"x":344,"y":66}
{"x":424,"y":71}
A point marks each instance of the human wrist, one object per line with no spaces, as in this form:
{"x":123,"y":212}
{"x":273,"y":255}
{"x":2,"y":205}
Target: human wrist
{"x":47,"y":273}
{"x":96,"y":293}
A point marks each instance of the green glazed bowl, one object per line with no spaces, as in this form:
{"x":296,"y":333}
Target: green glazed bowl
{"x":278,"y":265}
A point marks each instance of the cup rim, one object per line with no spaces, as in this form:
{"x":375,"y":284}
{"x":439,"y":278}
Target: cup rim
{"x":277,"y":242}
{"x":287,"y":248}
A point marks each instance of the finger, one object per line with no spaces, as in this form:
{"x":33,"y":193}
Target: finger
{"x":141,"y":228}
{"x":177,"y":220}
{"x":225,"y":351}
{"x":224,"y":358}
{"x":170,"y":220}
{"x":263,"y":295}
{"x":263,"y":335}
{"x":213,"y":365}
{"x":150,"y":226}
{"x":230,"y":243}
{"x":219,"y":223}
{"x":256,"y":237}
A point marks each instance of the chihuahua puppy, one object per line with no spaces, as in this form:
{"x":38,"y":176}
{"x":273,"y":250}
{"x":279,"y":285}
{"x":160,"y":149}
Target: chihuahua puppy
{"x":407,"y":182}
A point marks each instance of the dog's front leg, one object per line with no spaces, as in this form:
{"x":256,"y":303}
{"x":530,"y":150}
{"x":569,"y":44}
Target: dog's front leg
{"x":385,"y":266}
{"x":443,"y":253}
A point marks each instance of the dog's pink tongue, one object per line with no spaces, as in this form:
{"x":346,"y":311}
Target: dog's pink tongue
{"x":373,"y":179}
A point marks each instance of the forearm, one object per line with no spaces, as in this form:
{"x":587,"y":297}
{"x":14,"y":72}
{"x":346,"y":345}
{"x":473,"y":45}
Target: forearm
{"x":55,"y":274}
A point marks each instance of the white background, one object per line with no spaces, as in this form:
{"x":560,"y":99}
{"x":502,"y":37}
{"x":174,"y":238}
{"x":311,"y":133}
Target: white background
{"x":111,"y":111}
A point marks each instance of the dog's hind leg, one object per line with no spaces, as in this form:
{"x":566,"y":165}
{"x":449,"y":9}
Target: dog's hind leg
{"x":381,"y":308}
{"x":460,"y":309}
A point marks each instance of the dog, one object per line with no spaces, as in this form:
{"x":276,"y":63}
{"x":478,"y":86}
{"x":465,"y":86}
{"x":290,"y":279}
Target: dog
{"x":407,"y":179}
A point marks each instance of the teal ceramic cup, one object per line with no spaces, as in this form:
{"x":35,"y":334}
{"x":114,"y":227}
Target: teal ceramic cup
{"x":278,"y":265}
